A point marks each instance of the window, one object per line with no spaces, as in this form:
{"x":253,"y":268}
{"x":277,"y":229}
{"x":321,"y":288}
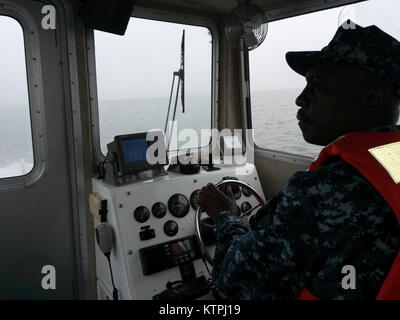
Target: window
{"x":16,"y":150}
{"x":274,"y":86}
{"x":134,"y":79}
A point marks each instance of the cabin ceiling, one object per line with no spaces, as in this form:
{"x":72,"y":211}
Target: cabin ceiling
{"x":224,"y":6}
{"x":218,"y":6}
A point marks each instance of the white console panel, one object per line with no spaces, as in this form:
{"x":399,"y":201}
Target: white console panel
{"x":122,"y":202}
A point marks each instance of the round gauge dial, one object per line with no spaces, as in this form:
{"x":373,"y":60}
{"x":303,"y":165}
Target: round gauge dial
{"x":246,"y":206}
{"x":141,"y":214}
{"x":246,"y":192}
{"x":178,"y":205}
{"x":194,"y":197}
{"x":159,"y":209}
{"x":237,"y":193}
{"x":171,"y":228}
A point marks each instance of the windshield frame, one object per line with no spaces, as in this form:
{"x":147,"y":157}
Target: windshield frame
{"x":158,"y":15}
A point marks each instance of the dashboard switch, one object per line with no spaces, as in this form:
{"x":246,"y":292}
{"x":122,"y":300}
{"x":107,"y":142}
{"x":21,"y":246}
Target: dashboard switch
{"x":147,"y":233}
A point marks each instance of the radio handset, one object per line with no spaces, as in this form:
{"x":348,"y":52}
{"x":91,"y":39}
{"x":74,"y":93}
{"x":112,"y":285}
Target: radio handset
{"x":104,"y":237}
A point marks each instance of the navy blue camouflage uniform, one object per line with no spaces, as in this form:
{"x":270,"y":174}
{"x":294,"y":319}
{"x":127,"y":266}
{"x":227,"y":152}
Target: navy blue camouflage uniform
{"x":321,"y":221}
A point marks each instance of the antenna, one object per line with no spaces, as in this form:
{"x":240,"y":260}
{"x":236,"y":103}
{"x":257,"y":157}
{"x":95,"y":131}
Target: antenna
{"x":182,"y":71}
{"x":181,"y":82}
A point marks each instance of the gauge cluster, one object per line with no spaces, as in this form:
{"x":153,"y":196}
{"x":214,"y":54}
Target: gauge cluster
{"x":153,"y":214}
{"x":179,"y":205}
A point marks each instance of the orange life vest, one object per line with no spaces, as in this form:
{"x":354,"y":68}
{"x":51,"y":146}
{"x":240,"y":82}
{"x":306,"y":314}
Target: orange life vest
{"x":354,"y":149}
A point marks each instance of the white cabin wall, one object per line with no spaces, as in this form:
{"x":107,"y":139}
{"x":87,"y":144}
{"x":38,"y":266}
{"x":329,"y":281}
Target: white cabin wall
{"x":229,"y":86}
{"x":274,"y":174}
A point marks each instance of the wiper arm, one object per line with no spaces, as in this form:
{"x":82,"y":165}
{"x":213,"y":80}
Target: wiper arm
{"x":181,"y":82}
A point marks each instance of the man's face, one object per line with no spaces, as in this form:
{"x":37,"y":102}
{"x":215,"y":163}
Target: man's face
{"x":332,"y":103}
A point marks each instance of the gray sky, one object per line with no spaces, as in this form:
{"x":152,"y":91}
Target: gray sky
{"x":141,"y":63}
{"x":13,"y":83}
{"x":268,"y":66}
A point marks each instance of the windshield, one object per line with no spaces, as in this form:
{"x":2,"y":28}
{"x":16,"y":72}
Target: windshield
{"x":274,"y":85}
{"x":135,"y":74}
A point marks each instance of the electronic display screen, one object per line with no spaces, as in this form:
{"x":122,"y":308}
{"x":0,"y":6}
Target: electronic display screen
{"x":131,"y":151}
{"x":134,"y":150}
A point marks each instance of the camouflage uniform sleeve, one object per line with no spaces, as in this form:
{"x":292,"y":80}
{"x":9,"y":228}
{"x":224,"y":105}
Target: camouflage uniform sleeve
{"x":270,"y":263}
{"x":321,"y":221}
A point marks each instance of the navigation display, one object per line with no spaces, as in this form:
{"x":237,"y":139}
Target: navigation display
{"x":130,"y":151}
{"x":134,"y":150}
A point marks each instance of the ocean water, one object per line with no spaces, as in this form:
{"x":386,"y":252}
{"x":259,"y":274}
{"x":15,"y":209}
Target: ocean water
{"x":139,"y":115}
{"x":275,"y":124}
{"x":16,"y":153}
{"x":273,"y":115}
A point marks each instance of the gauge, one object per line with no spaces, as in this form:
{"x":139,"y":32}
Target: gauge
{"x":246,"y":192}
{"x":178,"y":205}
{"x":159,"y":209}
{"x":194,"y":197}
{"x":237,"y":193}
{"x":171,"y":228}
{"x":246,"y":206}
{"x":141,"y":214}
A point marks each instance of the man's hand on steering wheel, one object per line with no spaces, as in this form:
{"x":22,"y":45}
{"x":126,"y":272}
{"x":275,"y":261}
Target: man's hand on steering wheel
{"x":213,"y":201}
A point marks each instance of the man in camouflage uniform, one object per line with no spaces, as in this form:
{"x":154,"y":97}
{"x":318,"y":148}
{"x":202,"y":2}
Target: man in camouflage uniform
{"x":326,"y":219}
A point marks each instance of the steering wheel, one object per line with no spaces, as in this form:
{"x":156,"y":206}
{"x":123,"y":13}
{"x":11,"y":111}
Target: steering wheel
{"x":197,"y":217}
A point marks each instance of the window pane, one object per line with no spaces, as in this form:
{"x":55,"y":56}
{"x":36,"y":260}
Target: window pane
{"x":16,"y":151}
{"x":135,"y":74}
{"x":275,"y":87}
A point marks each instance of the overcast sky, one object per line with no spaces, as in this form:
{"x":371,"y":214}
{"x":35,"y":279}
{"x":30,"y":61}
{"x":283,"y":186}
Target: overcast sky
{"x":141,"y":63}
{"x":268,"y":66}
{"x":13,"y":83}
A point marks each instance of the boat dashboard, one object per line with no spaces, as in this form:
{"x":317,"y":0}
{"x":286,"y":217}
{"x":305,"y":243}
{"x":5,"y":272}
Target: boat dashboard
{"x":155,"y":252}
